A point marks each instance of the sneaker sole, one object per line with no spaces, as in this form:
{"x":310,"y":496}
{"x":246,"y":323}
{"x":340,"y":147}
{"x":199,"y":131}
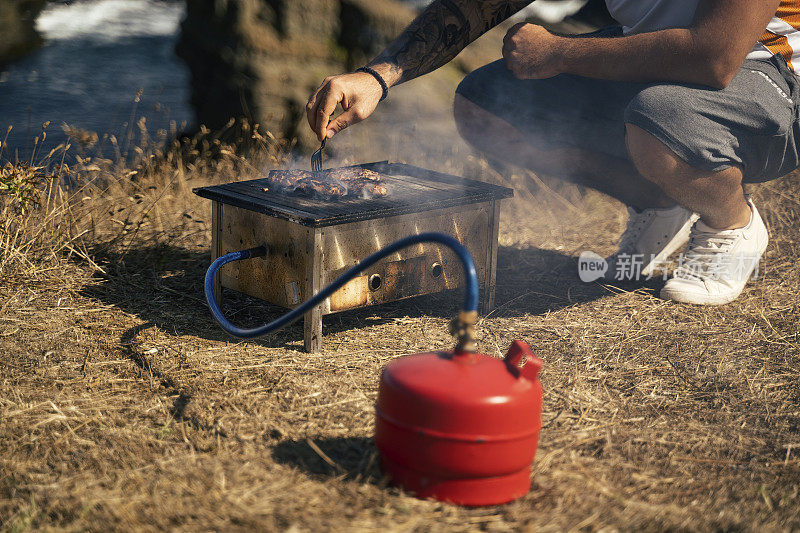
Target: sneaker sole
{"x":692,"y":298}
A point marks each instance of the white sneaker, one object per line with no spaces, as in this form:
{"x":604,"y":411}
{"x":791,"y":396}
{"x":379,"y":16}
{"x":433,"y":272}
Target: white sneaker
{"x":650,"y":237}
{"x":718,"y":263}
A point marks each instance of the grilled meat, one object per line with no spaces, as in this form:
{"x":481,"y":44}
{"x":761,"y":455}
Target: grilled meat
{"x":352,"y":174}
{"x":330,"y":183}
{"x":311,"y":186}
{"x":374,"y":189}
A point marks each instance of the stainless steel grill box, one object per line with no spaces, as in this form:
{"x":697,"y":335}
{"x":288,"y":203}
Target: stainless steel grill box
{"x":311,"y":241}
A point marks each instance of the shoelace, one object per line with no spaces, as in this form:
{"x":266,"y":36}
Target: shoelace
{"x":703,"y":255}
{"x":636,"y":223}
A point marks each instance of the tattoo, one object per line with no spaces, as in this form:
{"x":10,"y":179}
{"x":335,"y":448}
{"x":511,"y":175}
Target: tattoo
{"x":440,"y":32}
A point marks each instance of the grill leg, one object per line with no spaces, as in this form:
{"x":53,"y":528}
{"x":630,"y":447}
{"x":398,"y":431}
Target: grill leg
{"x":216,"y":245}
{"x":487,"y":302}
{"x":312,"y":331}
{"x":312,"y":322}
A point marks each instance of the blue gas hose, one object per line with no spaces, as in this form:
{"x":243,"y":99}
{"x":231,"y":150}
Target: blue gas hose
{"x":471,"y":275}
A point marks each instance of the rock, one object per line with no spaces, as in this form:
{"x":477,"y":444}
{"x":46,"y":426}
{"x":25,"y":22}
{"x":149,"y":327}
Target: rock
{"x":17,"y":28}
{"x":260,"y":59}
{"x":368,"y":26}
{"x":257,"y":59}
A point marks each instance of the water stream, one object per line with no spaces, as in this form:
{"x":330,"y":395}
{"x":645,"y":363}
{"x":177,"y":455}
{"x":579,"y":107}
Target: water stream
{"x":97,"y":55}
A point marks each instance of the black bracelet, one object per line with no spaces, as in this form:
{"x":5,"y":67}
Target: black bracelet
{"x":377,"y":77}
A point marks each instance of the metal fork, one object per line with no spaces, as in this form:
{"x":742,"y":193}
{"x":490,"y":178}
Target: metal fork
{"x":316,"y":157}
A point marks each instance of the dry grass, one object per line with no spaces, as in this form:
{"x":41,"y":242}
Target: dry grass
{"x":123,"y":406}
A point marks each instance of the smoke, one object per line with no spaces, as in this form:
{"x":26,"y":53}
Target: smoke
{"x":414,"y":125}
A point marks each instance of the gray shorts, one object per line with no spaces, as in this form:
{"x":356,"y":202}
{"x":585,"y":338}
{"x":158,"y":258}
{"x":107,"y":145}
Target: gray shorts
{"x":752,"y":123}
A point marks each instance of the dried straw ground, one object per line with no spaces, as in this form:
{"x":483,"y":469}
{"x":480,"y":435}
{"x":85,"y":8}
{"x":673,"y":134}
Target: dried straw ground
{"x":124,"y":407}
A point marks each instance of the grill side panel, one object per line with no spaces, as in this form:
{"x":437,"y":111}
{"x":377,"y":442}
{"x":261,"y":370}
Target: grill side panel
{"x":422,"y":269}
{"x":282,"y":276}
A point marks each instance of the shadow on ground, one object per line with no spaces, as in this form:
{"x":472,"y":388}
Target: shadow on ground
{"x":163,"y":285}
{"x":535,"y":281}
{"x":349,"y":457}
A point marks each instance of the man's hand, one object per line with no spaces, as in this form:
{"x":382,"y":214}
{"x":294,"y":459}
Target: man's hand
{"x":531,"y":52}
{"x":359,"y":94}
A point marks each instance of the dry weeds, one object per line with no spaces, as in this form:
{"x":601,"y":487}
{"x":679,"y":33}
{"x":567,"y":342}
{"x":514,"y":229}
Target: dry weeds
{"x":123,"y":406}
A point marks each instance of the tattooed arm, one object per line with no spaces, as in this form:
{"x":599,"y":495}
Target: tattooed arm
{"x":435,"y":37}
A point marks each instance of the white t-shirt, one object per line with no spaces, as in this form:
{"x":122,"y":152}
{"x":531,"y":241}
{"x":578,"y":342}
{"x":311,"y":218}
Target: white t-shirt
{"x":639,"y":16}
{"x":781,"y":36}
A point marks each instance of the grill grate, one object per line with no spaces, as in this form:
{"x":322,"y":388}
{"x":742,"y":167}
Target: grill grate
{"x":411,"y":190}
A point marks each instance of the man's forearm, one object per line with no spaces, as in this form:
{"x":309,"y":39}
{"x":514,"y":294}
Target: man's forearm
{"x":669,"y":55}
{"x":709,"y":52}
{"x":438,"y":34}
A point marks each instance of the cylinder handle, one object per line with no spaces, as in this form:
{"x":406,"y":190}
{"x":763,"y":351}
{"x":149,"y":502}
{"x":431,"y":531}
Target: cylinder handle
{"x":521,"y":361}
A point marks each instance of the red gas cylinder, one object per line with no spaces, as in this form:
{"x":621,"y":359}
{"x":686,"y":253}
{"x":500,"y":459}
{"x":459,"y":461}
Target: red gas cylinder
{"x":460,"y":427}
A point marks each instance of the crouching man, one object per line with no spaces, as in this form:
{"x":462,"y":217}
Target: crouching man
{"x":670,"y":113}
